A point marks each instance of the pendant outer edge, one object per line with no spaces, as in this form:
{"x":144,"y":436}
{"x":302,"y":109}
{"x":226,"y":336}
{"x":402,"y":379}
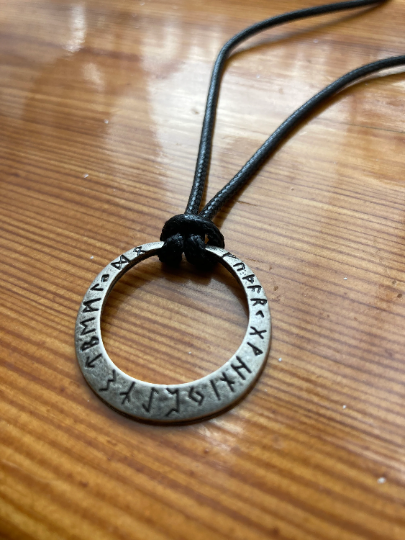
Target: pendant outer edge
{"x":173,"y":403}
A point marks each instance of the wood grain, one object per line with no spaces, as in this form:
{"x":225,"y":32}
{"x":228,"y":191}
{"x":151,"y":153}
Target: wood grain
{"x":101,"y":106}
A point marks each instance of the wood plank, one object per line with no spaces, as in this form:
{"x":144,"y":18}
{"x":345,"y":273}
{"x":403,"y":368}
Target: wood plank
{"x":101,"y":105}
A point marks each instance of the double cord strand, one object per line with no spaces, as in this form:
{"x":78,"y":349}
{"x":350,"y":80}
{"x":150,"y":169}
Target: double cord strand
{"x":186,"y":232}
{"x":248,"y":170}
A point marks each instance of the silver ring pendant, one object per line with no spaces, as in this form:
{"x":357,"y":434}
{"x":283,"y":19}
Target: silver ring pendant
{"x":176,"y":402}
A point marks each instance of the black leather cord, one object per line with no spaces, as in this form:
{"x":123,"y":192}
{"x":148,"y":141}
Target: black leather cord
{"x":204,"y":152}
{"x":254,"y":163}
{"x":186,"y":233}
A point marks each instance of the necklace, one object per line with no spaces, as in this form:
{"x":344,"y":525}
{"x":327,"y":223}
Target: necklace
{"x":187,"y":233}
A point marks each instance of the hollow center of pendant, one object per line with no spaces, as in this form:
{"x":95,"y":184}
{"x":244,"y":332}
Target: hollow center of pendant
{"x":170,"y":326}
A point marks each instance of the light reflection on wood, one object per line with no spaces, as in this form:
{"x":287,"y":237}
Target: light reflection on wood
{"x":101,"y":106}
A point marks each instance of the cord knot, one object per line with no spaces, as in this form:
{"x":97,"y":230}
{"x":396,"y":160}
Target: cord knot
{"x":186,"y":234}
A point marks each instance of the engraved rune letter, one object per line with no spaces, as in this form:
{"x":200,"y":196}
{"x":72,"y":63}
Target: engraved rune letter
{"x":214,"y":387}
{"x":255,"y":288}
{"x":260,"y":313}
{"x":90,"y":363}
{"x":196,"y":396}
{"x":257,"y":332}
{"x":255,"y":349}
{"x":97,"y":287}
{"x":238,"y":368}
{"x":239,"y":266}
{"x":250,"y":278}
{"x":139,"y":251}
{"x":260,"y":301}
{"x":127,"y":394}
{"x":85,"y":329}
{"x":228,"y":381}
{"x":175,"y":409}
{"x":229,"y":255}
{"x":109,"y":381}
{"x":148,"y":407}
{"x":89,"y":307}
{"x":120,"y":263}
{"x":89,"y":344}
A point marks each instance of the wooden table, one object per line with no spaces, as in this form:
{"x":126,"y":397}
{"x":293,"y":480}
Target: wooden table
{"x":101,"y":104}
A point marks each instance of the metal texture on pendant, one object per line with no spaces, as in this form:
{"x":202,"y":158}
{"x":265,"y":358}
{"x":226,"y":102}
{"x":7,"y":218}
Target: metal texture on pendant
{"x":177,"y":402}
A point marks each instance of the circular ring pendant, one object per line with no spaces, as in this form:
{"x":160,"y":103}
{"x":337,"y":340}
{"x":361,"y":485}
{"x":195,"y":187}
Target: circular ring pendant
{"x":176,"y":402}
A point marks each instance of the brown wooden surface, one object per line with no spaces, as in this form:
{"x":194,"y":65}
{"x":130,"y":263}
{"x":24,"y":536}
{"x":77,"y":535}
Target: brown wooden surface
{"x":116,"y":90}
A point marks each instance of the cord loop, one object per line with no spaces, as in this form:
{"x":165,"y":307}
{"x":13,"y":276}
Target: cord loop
{"x":186,"y":233}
